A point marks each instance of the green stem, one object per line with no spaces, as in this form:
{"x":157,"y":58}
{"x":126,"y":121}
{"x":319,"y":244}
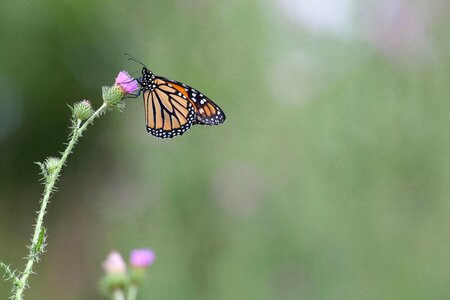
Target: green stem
{"x":118,"y":295}
{"x":132,"y":293}
{"x":49,"y":187}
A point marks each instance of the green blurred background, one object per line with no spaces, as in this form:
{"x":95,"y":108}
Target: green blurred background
{"x":329,"y":179}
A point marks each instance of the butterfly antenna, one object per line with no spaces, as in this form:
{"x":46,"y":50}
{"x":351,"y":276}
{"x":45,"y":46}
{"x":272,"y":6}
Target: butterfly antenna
{"x":131,"y":57}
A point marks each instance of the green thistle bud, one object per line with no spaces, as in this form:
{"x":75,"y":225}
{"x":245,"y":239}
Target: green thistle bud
{"x":112,"y":96}
{"x":51,"y":164}
{"x":112,"y":282}
{"x":116,"y":276}
{"x":137,"y":275}
{"x":82,"y":110}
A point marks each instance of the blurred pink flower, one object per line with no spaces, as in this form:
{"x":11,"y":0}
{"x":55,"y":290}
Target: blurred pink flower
{"x":399,"y":29}
{"x":114,"y":264}
{"x":142,"y":258}
{"x":126,"y":83}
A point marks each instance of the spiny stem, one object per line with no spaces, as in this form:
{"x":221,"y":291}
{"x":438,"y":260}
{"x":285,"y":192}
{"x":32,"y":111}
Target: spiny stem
{"x":38,"y":236}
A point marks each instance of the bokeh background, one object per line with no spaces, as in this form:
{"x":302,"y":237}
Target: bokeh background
{"x":329,"y":180}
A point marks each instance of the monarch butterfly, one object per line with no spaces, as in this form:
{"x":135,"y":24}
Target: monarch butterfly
{"x":172,"y":107}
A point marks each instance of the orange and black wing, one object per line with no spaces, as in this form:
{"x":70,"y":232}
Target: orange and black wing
{"x":207,"y":112}
{"x":168,"y":111}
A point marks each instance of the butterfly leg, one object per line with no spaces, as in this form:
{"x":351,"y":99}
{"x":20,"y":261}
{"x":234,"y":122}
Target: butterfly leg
{"x":128,"y":96}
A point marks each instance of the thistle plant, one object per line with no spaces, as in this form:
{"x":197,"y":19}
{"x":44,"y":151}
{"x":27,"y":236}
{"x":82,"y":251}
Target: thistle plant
{"x":82,"y":116}
{"x":120,"y":280}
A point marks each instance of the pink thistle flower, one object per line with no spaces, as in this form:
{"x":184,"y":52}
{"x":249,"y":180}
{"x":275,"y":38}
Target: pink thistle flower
{"x":126,"y":83}
{"x":114,"y":264}
{"x":142,"y":258}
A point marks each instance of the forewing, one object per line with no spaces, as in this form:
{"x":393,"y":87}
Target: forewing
{"x":168,"y":113}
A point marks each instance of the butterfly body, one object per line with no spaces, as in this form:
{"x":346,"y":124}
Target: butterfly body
{"x":172,"y":107}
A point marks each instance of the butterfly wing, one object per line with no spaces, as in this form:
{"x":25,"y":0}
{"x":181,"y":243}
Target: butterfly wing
{"x":207,"y":112}
{"x":168,"y":112}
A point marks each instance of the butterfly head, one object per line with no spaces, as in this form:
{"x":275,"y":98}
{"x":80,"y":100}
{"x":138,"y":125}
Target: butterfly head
{"x":147,"y":79}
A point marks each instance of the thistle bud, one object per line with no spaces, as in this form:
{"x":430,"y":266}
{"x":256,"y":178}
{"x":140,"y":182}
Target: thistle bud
{"x":140,"y":260}
{"x":112,"y":96}
{"x":115,"y":273}
{"x":82,"y":110}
